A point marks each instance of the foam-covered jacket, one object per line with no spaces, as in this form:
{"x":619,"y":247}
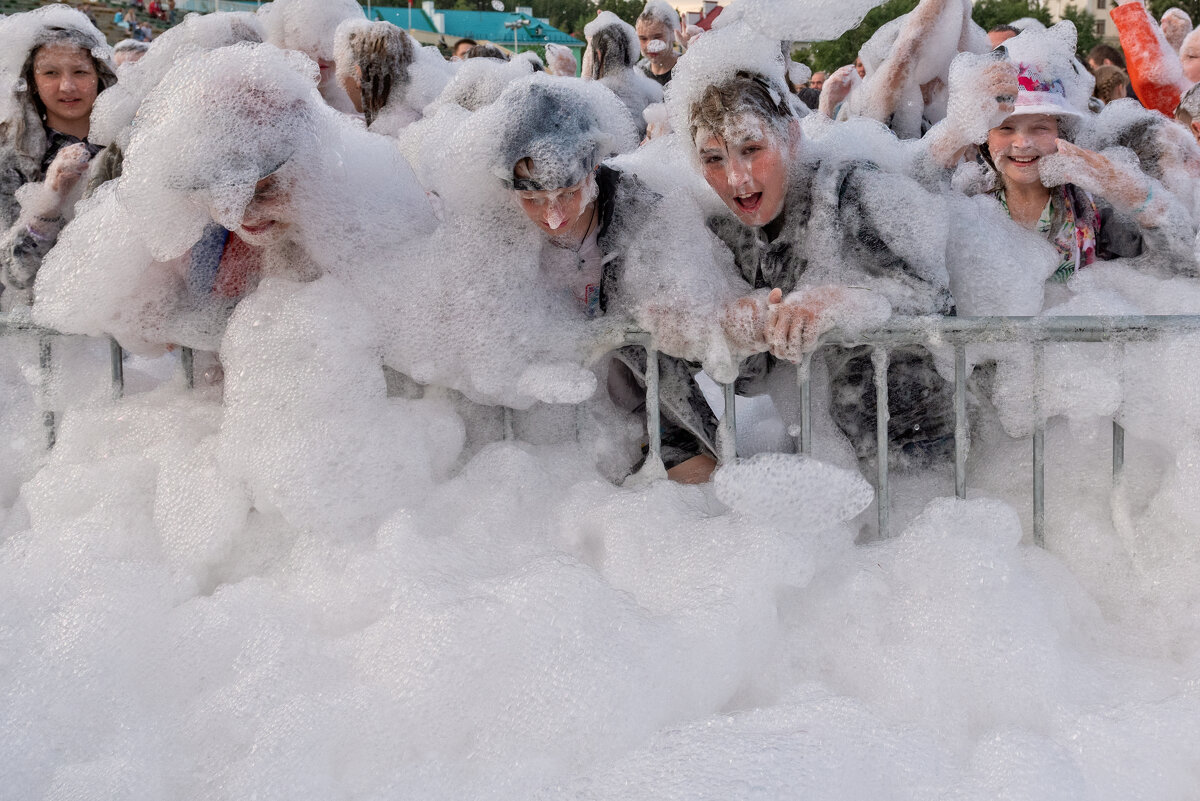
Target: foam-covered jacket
{"x":25,"y":241}
{"x":689,"y":427}
{"x":849,"y":223}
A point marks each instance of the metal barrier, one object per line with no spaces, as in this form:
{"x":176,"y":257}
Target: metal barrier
{"x":957,"y":332}
{"x":960,"y":332}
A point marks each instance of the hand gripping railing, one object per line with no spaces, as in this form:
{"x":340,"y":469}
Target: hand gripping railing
{"x":957,"y":332}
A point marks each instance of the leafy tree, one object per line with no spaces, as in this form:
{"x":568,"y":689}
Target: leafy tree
{"x":830,"y":55}
{"x":1085,"y":24}
{"x":990,"y":13}
{"x":627,"y":10}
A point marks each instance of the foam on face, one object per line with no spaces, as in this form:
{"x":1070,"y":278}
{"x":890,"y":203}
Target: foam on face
{"x":308,"y":588}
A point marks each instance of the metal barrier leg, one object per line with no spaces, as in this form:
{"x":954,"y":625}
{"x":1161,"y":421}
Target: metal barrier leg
{"x":960,"y":421}
{"x":1039,"y":444}
{"x":117,"y":356}
{"x":804,"y":384}
{"x":653,"y":418}
{"x":1118,"y":445}
{"x":727,"y":427}
{"x":188,"y":359}
{"x":1118,"y":449}
{"x":45,"y":365}
{"x":879,"y":358}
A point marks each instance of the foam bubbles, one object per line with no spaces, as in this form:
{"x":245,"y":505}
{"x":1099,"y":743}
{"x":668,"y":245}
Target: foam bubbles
{"x":792,"y":488}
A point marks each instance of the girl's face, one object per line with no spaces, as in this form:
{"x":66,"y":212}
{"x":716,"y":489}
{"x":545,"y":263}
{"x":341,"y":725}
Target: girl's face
{"x":748,"y":170}
{"x":67,"y":83}
{"x":1018,"y":144}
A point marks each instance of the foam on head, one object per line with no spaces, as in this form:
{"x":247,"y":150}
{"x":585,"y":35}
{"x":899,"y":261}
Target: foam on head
{"x":377,"y":56}
{"x":716,"y":58}
{"x":1048,"y":55}
{"x":219,"y":122}
{"x":661,"y":11}
{"x":796,"y":20}
{"x":20,"y":35}
{"x":307,"y":25}
{"x":112,"y":118}
{"x":615,"y":40}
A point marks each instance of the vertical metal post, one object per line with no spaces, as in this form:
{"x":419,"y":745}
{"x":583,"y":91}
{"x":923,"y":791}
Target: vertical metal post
{"x":1118,"y":444}
{"x":960,"y":421}
{"x":188,"y":359}
{"x":653,"y":419}
{"x":879,"y":357}
{"x":1118,"y":449}
{"x":1039,"y":443}
{"x":45,"y":365}
{"x":804,"y":384}
{"x":116,"y":357}
{"x":727,"y":427}
{"x":509,"y":431}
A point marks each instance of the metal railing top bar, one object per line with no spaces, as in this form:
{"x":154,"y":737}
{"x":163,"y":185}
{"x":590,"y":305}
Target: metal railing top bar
{"x":974,"y":330}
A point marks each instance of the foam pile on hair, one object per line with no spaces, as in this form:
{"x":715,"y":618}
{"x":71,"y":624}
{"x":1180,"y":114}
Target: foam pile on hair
{"x":112,"y":117}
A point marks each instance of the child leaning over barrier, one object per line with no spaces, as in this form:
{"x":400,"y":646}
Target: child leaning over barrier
{"x":588,"y":213}
{"x":817,"y":244}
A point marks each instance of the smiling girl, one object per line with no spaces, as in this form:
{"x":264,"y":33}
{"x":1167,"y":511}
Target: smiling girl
{"x":65,"y":65}
{"x":1084,"y":203}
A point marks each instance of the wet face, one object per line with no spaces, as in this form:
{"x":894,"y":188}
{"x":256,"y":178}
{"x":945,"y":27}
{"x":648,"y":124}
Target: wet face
{"x":268,"y":214}
{"x":997,"y":38}
{"x":67,"y":84}
{"x":859,"y":68}
{"x":555,"y":211}
{"x":460,"y":49}
{"x":650,"y":32}
{"x":1018,"y":144}
{"x":1189,"y":55}
{"x":747,"y":170}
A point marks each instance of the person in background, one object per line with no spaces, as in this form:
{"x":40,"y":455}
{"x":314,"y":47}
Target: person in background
{"x":817,"y":80}
{"x":308,"y":26}
{"x":561,"y":61}
{"x":1176,"y":24}
{"x":486,"y":50}
{"x":461,"y":47}
{"x":999,"y":34}
{"x":1188,"y":113}
{"x":656,"y":27}
{"x":127,"y":51}
{"x":1110,"y":83}
{"x":45,"y":142}
{"x":389,"y":77}
{"x":1103,"y":54}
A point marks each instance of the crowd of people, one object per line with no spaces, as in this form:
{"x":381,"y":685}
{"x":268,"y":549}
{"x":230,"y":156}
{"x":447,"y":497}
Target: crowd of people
{"x":699,"y":185}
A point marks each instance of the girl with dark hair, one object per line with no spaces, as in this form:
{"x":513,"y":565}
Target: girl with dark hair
{"x":65,"y":64}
